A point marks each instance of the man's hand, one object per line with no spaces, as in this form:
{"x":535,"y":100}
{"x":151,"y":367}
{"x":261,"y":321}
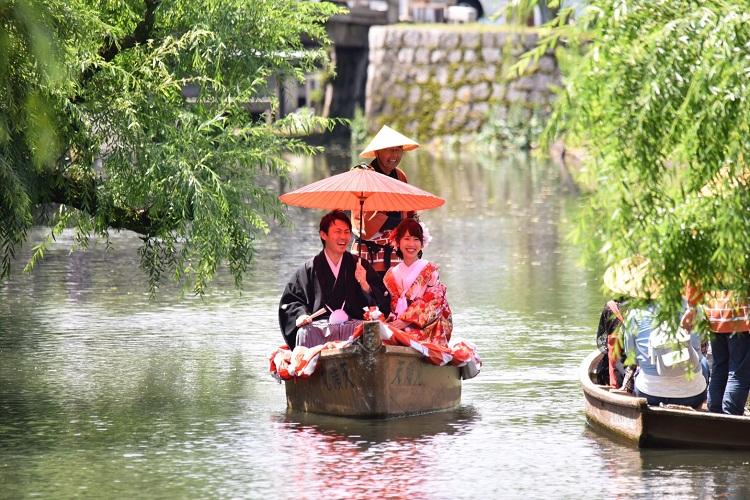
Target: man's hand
{"x":687,"y":319}
{"x":361,"y":276}
{"x":303,"y":320}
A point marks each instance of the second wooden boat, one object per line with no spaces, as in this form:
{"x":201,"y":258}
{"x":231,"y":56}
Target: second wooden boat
{"x":649,"y":426}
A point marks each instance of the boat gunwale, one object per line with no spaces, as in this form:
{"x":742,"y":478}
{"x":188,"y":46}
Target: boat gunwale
{"x":393,"y":350}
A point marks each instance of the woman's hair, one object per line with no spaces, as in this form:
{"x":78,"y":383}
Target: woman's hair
{"x":412,"y":227}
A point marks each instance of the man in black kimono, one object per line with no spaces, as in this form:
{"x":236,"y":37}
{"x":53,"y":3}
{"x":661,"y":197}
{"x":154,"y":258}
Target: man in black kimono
{"x":335,"y":281}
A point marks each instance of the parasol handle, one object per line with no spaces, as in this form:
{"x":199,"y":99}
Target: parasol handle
{"x":361,"y":225}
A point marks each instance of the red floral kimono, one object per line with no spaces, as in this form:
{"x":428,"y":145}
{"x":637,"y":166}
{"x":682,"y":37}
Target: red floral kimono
{"x":423,"y":304}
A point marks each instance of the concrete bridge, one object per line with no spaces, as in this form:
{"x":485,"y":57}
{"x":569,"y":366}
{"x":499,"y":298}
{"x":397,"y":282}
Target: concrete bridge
{"x":349,"y":34}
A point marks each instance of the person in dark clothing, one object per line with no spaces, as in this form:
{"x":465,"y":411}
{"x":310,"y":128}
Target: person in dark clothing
{"x":334,"y":286}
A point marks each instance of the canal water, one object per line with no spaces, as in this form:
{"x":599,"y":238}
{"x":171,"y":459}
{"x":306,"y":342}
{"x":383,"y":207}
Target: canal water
{"x":106,"y":393}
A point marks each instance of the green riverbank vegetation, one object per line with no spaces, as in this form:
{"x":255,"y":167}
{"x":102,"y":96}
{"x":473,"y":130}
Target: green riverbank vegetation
{"x":97,"y":131}
{"x":659,"y":96}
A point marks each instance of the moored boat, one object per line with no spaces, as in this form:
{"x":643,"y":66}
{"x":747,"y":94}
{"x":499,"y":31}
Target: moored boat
{"x":649,"y":426}
{"x":371,"y":380}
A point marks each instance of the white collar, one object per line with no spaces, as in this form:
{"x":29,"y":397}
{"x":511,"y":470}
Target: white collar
{"x":334,"y":267}
{"x":407,"y":275}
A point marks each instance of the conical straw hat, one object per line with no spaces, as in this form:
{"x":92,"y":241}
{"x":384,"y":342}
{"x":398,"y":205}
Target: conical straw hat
{"x":627,"y":278}
{"x":388,"y":138}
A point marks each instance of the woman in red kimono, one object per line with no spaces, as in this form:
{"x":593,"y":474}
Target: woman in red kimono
{"x":418,"y":302}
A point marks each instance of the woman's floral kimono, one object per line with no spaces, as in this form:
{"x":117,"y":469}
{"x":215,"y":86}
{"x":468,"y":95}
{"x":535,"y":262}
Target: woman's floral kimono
{"x":422,"y":304}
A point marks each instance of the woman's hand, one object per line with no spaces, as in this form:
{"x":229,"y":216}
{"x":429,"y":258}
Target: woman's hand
{"x":399,"y":323}
{"x":360,"y":274}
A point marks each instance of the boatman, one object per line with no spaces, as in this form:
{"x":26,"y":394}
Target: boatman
{"x":326,"y":298}
{"x":387,"y":148}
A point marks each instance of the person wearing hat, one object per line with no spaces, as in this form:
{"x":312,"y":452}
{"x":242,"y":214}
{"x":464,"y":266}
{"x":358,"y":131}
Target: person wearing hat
{"x":671,"y":366}
{"x":387,"y":149}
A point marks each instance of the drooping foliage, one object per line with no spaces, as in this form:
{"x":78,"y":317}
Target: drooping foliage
{"x":96,"y":132}
{"x":658,"y":94}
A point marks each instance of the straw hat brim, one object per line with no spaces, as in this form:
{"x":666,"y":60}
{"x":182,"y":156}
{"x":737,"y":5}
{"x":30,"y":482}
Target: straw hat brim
{"x":627,"y":278}
{"x":388,"y":138}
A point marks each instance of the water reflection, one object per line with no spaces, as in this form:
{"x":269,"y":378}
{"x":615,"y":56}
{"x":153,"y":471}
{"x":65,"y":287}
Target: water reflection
{"x":366,"y":458}
{"x":366,"y":433}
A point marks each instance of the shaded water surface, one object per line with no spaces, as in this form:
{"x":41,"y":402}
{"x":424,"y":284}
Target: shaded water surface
{"x":105,"y":393}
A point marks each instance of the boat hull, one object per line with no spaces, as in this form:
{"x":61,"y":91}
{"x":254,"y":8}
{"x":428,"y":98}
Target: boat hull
{"x":371,"y":380}
{"x":632,"y":418}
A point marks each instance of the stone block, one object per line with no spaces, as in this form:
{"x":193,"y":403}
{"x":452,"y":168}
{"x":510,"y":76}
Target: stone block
{"x":406,"y":55}
{"x":377,"y":56}
{"x":392,"y":38}
{"x":437,"y":56}
{"x":441,"y":118}
{"x":422,"y":74}
{"x":526,"y":82}
{"x":470,"y":55}
{"x":431,"y":39}
{"x":498,"y":91}
{"x":542,"y":81}
{"x":447,"y":95}
{"x":488,"y":39}
{"x":480,"y":109}
{"x":422,"y":55}
{"x":411,"y":38}
{"x":537,"y":98}
{"x":376,"y":37}
{"x":472,"y":125}
{"x":459,"y":74}
{"x":500,"y":39}
{"x":475,"y":74}
{"x":414,"y":94}
{"x":449,"y":40}
{"x":530,"y":40}
{"x":492,"y":55}
{"x":480,"y":91}
{"x":442,"y":75}
{"x":459,"y":117}
{"x":455,"y":55}
{"x":515,"y":95}
{"x":470,"y":39}
{"x":547,"y":64}
{"x":398,"y":92}
{"x":464,"y":93}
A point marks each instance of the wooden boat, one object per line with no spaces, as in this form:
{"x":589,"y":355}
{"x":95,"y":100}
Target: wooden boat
{"x":372,"y":380}
{"x":649,"y":426}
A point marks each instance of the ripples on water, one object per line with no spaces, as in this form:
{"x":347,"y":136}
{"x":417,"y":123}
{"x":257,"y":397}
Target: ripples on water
{"x":105,"y":393}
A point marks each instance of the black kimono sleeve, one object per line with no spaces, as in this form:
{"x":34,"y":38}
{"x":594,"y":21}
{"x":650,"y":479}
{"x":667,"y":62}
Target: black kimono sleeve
{"x":295,"y":302}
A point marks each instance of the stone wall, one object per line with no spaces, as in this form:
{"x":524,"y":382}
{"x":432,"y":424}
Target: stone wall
{"x":434,"y":81}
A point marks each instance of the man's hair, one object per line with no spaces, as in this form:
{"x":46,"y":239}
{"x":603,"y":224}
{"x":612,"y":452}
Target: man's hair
{"x":327,"y":220}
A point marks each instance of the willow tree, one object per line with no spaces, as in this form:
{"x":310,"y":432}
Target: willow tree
{"x":658,"y":94}
{"x":96,"y":134}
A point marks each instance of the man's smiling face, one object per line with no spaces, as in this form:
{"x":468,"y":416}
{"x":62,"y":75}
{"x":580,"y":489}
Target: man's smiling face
{"x":337,"y":238}
{"x":389,"y":158}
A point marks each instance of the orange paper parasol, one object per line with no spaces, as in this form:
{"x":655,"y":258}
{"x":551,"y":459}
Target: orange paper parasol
{"x":364,"y":189}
